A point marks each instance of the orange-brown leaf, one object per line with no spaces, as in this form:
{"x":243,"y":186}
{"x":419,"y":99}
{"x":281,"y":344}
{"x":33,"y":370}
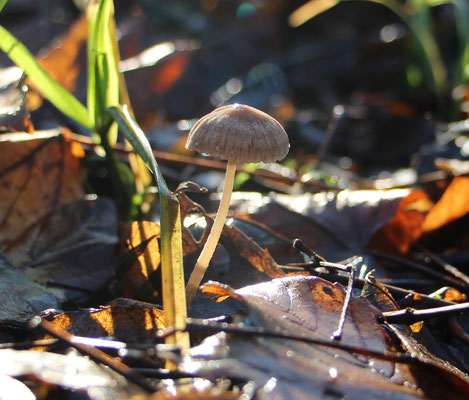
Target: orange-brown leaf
{"x":62,"y":59}
{"x":38,"y":174}
{"x":125,"y":319}
{"x":406,"y":224}
{"x":139,"y":245}
{"x":452,"y":205}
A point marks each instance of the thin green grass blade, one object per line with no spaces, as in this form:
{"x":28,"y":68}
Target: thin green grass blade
{"x":91,"y":52}
{"x":139,"y":142}
{"x":461,"y":11}
{"x":2,"y":4}
{"x":172,"y":272}
{"x":103,"y":74}
{"x":53,"y":91}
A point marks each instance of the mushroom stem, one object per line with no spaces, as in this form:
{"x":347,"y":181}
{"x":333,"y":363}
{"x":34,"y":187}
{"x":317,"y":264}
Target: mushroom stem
{"x":212,"y":240}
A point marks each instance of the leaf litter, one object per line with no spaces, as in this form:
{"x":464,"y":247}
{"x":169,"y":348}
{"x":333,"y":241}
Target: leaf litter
{"x":274,"y":318}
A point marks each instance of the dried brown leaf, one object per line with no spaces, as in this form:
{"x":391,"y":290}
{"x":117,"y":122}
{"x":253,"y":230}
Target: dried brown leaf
{"x":289,"y":369}
{"x":124,"y":319}
{"x":452,"y":205}
{"x":72,"y":250}
{"x":140,"y":256}
{"x":40,"y":174}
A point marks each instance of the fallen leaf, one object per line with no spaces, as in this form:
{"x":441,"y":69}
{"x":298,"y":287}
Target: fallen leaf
{"x":126,"y":320}
{"x":335,"y":225}
{"x":71,"y":371}
{"x":140,"y":258}
{"x":285,"y":369}
{"x":288,"y":369}
{"x":72,"y":250}
{"x":405,"y":227}
{"x":246,"y":256}
{"x":64,"y":59}
{"x":452,"y":205}
{"x":40,"y":175}
{"x":20,"y":296}
{"x":170,"y":70}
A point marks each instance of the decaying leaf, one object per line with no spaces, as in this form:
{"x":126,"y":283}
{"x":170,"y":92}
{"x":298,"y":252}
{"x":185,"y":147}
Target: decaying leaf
{"x":71,"y":371}
{"x":72,"y":251}
{"x":124,"y":319}
{"x":405,"y":227}
{"x":39,"y":173}
{"x":62,"y":61}
{"x":336,"y":225}
{"x":452,"y":205}
{"x":287,"y":369}
{"x":140,"y":258}
{"x":236,"y":241}
{"x":20,"y":296}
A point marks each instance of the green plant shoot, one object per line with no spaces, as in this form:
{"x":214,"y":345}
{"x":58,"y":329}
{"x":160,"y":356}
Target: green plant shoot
{"x":53,"y":91}
{"x":174,"y":295}
{"x":103,"y":73}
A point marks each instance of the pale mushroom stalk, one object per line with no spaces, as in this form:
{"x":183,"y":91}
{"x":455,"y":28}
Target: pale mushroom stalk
{"x":212,"y":240}
{"x":237,"y":133}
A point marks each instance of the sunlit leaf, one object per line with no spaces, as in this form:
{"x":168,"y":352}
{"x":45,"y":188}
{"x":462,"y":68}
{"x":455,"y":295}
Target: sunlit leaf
{"x":452,"y":205}
{"x":287,"y":369}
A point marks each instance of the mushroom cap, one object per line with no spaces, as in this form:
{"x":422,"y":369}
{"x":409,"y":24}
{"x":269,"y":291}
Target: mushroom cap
{"x":239,"y":132}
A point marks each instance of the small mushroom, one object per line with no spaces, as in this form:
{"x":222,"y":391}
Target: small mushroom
{"x":237,"y":133}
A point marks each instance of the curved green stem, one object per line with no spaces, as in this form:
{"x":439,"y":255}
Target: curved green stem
{"x":215,"y":232}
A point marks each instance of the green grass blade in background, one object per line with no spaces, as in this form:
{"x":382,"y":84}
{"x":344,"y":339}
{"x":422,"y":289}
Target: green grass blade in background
{"x":172,"y":272}
{"x":103,"y":74}
{"x":49,"y":88}
{"x":139,"y":142}
{"x":2,"y":4}
{"x":461,"y":11}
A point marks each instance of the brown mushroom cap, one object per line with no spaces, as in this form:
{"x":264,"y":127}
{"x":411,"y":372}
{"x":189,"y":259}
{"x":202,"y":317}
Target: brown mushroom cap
{"x":239,"y":132}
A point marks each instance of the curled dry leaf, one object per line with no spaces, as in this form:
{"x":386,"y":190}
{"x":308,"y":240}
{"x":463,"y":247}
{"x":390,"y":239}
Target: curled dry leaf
{"x":124,"y":319}
{"x":405,"y":227}
{"x":452,"y":205}
{"x":40,"y":173}
{"x":287,"y":369}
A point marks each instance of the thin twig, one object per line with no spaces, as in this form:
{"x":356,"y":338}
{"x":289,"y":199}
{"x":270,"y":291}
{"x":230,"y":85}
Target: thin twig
{"x":395,"y":291}
{"x":337,"y":334}
{"x":409,"y":316}
{"x":423,"y":268}
{"x":28,"y":345}
{"x":451,"y":269}
{"x":250,"y":331}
